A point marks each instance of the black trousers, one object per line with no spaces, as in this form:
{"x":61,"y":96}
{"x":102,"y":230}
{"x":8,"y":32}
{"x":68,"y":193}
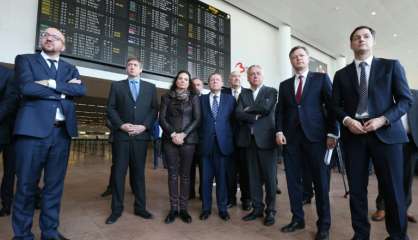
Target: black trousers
{"x":237,"y":172}
{"x":388,"y":163}
{"x":112,"y":169}
{"x":262,"y":170}
{"x":129,"y":153}
{"x":410,"y":154}
{"x":179,"y":161}
{"x":197,"y":162}
{"x":7,"y":183}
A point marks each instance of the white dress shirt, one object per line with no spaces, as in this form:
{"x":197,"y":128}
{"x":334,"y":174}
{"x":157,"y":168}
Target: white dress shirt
{"x":211,"y":94}
{"x":59,"y":116}
{"x":255,"y":92}
{"x":236,"y":92}
{"x":304,"y":75}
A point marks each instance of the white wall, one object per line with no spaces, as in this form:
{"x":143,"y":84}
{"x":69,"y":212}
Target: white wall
{"x":252,"y":41}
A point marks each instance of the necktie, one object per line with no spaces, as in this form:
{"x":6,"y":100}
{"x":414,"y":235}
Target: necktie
{"x":235,"y":94}
{"x":134,"y":88}
{"x":299,"y":90}
{"x":215,"y":106}
{"x":53,"y":68}
{"x":363,"y":90}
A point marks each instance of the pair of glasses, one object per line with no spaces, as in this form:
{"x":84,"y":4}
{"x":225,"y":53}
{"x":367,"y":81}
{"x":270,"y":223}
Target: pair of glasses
{"x":53,"y":36}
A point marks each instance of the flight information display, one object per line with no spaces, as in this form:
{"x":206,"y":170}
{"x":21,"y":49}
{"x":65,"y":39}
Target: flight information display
{"x":167,"y":35}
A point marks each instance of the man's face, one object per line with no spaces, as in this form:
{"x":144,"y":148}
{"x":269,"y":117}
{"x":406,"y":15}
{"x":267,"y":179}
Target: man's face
{"x":362,"y":41}
{"x":133,"y":68}
{"x":234,"y":80}
{"x":216,"y":83}
{"x":255,"y":77}
{"x":197,"y":85}
{"x":299,"y":60}
{"x":52,"y":41}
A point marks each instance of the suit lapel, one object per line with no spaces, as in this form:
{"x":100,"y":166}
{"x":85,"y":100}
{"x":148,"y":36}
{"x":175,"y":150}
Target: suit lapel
{"x":206,"y":103}
{"x":260,"y":95}
{"x":352,"y":74}
{"x":128,"y":89}
{"x":292,"y":88}
{"x":221,"y":102}
{"x":141,"y":93}
{"x":306,"y":88}
{"x":372,"y":79}
{"x":62,"y":69}
{"x":43,"y":63}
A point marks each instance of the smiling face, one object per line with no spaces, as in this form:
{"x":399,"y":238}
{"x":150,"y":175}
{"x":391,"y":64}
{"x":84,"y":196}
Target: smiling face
{"x":182,"y":81}
{"x":299,"y":59}
{"x":52,"y":41}
{"x":362,"y":42}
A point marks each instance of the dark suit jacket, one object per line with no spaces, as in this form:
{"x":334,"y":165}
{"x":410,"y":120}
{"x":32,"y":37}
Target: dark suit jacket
{"x":389,"y":96}
{"x":263,"y":127}
{"x":413,"y":117}
{"x":122,"y":108}
{"x":236,"y":125}
{"x":8,"y":104}
{"x":36,"y":114}
{"x":309,"y":113}
{"x":180,"y":116}
{"x":222,"y":129}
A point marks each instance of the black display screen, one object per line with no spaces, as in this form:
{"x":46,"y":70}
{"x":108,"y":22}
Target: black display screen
{"x":167,"y":35}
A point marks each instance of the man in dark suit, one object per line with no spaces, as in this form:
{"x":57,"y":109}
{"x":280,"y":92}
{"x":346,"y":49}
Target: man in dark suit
{"x":255,"y":111}
{"x":216,"y":145}
{"x":369,"y":97}
{"x":132,"y":110}
{"x":237,"y":167}
{"x":45,"y":123}
{"x":198,"y":87}
{"x":410,"y":155}
{"x":305,"y":133}
{"x":8,"y":105}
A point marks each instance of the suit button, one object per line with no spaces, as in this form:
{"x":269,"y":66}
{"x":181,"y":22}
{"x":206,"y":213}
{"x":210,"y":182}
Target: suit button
{"x":135,"y":107}
{"x":298,"y":106}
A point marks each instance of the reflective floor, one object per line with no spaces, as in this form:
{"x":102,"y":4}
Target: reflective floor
{"x":83,"y":211}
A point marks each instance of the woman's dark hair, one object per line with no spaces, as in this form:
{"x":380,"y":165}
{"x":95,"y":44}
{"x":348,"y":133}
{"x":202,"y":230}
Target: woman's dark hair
{"x":174,"y":86}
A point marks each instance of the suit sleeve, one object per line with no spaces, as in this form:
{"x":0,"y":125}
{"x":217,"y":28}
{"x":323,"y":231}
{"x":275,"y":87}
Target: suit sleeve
{"x":9,"y":101}
{"x":401,"y":94}
{"x":196,"y":116}
{"x":280,"y":109}
{"x":264,"y":108}
{"x":326,"y":95}
{"x":112,"y":113}
{"x":337,"y":102}
{"x":240,"y":114}
{"x":71,"y":89}
{"x":165,"y":125}
{"x":152,"y":115}
{"x":26,"y":84}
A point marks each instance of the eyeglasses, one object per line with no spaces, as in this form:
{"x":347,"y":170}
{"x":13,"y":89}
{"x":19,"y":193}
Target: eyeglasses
{"x":53,"y":36}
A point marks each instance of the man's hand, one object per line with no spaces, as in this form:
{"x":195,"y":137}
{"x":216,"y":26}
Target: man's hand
{"x":137,"y":129}
{"x":331,"y":142}
{"x":42,"y":82}
{"x":74,"y":80}
{"x":280,"y":139}
{"x":126,"y":127}
{"x":354,"y":126}
{"x":177,"y":138}
{"x":374,"y":124}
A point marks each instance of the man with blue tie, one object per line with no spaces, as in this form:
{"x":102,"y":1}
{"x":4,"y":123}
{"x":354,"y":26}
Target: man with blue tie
{"x":370,"y":96}
{"x":217,"y":145}
{"x":132,"y":110}
{"x":45,"y":123}
{"x":305,"y":132}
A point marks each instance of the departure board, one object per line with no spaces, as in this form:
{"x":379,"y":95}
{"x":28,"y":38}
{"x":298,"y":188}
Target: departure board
{"x":167,"y":35}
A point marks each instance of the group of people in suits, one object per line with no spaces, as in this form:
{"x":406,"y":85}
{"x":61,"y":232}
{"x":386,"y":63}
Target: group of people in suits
{"x":367,"y":108}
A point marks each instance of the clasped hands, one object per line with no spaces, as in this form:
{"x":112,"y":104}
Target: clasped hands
{"x":132,"y":129}
{"x":178,"y":138}
{"x":356,"y":127}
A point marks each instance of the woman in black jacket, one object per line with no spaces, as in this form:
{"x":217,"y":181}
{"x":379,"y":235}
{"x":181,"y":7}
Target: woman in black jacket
{"x":179,"y":119}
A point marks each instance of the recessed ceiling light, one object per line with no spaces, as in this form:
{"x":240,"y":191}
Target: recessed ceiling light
{"x":373,"y":13}
{"x":337,"y":8}
{"x":395,"y":35}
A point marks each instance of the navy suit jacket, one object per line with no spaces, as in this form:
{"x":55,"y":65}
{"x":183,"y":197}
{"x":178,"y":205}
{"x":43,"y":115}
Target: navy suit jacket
{"x":8,"y":104}
{"x":313,"y":111}
{"x":222,"y":129}
{"x":388,"y":96}
{"x":413,"y":117}
{"x":36,"y":115}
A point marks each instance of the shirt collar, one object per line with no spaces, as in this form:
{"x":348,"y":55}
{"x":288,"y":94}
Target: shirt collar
{"x":367,"y":60}
{"x":46,"y":57}
{"x":237,"y":89}
{"x":304,"y":74}
{"x":134,"y":79}
{"x":259,"y":87}
{"x":213,"y":94}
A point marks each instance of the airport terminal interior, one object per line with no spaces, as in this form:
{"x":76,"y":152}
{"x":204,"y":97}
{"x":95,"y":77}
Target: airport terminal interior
{"x":219,"y":36}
